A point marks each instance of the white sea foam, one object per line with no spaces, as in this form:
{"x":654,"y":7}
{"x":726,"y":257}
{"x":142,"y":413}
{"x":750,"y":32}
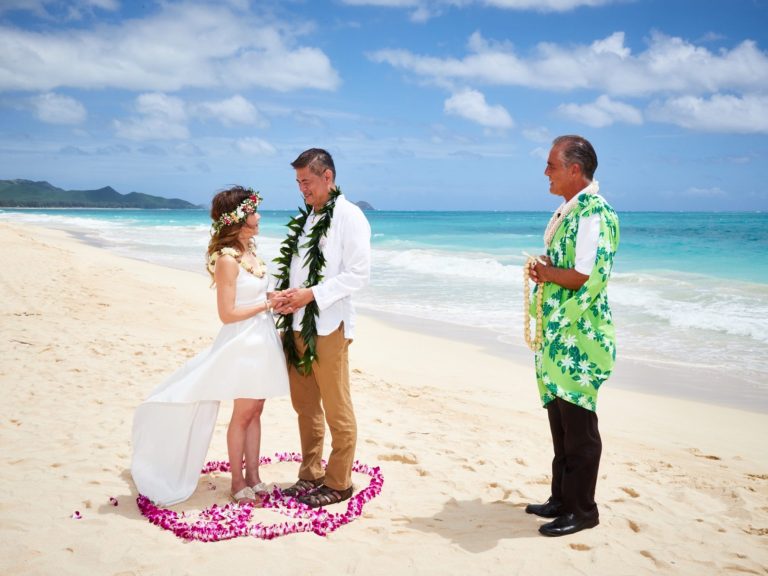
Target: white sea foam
{"x":447,"y":265}
{"x":661,"y":316}
{"x":698,"y":304}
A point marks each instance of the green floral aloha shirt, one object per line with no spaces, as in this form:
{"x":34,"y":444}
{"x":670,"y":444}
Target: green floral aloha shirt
{"x":579,"y":348}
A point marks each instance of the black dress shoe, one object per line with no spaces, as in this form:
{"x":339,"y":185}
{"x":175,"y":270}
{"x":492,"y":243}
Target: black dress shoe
{"x":552,"y":508}
{"x":568,"y":524}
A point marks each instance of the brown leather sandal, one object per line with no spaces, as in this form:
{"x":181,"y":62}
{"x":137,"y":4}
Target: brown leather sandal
{"x":325,"y":496}
{"x":302,"y":487}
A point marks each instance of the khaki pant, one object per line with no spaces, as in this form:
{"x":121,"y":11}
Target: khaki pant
{"x":324,"y":396}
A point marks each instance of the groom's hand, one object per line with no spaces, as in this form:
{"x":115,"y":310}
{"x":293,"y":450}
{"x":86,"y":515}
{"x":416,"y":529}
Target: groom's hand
{"x":278,"y":301}
{"x":296,"y":298}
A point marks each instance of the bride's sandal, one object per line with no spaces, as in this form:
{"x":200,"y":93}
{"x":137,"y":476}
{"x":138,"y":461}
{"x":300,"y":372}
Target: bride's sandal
{"x":246,"y":495}
{"x":261,"y":488}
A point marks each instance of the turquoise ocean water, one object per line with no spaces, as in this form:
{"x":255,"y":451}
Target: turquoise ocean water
{"x":689,"y":292}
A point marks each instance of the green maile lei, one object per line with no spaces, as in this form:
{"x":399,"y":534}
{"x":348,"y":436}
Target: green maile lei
{"x":314,"y":261}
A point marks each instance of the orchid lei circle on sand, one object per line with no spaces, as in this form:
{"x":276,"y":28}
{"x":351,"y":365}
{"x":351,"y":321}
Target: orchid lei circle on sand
{"x":234,"y":520}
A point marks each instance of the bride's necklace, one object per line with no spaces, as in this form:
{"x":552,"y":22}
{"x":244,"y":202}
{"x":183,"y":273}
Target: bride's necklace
{"x":256,"y":268}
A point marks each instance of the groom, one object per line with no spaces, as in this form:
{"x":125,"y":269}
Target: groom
{"x":325,"y":259}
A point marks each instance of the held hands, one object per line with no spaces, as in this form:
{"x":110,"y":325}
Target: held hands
{"x":289,"y":301}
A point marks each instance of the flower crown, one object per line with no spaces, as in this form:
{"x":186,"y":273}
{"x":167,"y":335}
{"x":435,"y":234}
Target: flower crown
{"x":246,"y":207}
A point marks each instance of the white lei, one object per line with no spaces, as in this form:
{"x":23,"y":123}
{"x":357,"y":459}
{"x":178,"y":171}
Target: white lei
{"x":258,"y":270}
{"x":563,"y":211}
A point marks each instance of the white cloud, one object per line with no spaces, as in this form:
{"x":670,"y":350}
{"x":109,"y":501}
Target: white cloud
{"x":602,"y":112}
{"x":546,"y":5}
{"x":184,"y":45}
{"x":435,"y":5}
{"x":255,"y":147}
{"x":103,"y":4}
{"x":385,"y":3}
{"x":540,"y":152}
{"x":539,"y":135}
{"x":719,"y":113}
{"x":232,"y":111}
{"x":608,"y":65}
{"x":160,"y":117}
{"x":713,"y":192}
{"x":73,"y":10}
{"x":471,"y":104}
{"x":34,"y":6}
{"x":77,"y":9}
{"x":57,"y":109}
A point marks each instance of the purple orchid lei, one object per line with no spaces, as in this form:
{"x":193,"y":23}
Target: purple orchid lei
{"x":233,"y":520}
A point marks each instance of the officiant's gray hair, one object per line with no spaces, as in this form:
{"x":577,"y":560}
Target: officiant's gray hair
{"x":317,"y":159}
{"x":578,"y":150}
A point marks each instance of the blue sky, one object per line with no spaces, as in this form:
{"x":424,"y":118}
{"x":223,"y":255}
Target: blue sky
{"x":425,"y":104}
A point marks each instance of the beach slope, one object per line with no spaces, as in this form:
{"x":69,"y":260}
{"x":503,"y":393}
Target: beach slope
{"x":460,"y":437}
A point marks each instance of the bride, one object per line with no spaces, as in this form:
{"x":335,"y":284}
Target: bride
{"x":172,"y":428}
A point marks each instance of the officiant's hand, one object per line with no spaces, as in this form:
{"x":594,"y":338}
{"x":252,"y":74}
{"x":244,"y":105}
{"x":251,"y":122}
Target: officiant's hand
{"x":536,"y":270}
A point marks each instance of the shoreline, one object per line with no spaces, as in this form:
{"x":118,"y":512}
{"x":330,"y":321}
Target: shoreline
{"x":458,"y":434}
{"x":647,"y":376}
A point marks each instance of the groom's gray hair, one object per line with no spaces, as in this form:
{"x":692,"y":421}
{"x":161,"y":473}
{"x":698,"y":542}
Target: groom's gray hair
{"x":317,"y":159}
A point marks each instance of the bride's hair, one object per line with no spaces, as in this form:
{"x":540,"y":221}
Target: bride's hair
{"x":226,"y":237}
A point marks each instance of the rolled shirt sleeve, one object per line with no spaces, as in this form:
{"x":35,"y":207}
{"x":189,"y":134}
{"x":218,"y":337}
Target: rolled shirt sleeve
{"x":352,"y":240}
{"x":586,"y":243}
{"x":347,"y":251}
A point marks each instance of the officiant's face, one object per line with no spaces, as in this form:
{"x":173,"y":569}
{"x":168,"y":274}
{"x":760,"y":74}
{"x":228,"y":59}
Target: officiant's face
{"x":564,"y":180}
{"x":314,"y":187}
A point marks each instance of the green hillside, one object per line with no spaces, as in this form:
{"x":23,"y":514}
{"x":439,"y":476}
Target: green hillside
{"x":29,"y":194}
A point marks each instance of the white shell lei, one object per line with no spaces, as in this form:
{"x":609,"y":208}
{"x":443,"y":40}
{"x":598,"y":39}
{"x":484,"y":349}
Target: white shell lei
{"x":533,"y":343}
{"x":258,"y":270}
{"x":554,"y":223}
{"x":565,"y":209}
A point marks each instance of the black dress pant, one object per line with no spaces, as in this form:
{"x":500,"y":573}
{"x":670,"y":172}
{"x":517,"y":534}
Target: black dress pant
{"x":577,"y":445}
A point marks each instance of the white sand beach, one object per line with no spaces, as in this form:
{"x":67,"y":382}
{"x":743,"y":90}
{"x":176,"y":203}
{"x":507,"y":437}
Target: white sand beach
{"x":458,"y":432}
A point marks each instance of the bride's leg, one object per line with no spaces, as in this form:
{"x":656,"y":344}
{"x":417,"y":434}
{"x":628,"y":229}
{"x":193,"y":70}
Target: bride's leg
{"x":253,"y":445}
{"x":242,"y":415}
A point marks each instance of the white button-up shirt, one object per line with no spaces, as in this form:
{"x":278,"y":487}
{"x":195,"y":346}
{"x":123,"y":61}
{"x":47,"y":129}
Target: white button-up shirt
{"x":347,"y":251}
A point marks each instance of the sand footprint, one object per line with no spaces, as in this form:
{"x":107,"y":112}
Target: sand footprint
{"x":630,"y":492}
{"x":651,"y":557}
{"x":402,"y":458}
{"x":698,"y":453}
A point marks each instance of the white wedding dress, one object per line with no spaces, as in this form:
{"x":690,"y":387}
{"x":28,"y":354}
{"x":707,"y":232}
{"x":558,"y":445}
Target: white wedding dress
{"x":172,"y":428}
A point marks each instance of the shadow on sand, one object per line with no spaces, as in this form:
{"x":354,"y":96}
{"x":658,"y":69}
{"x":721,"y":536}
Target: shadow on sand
{"x":478,"y":526}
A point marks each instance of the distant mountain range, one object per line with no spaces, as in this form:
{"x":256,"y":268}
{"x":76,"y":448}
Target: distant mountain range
{"x":30,"y":194}
{"x":363,"y":205}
